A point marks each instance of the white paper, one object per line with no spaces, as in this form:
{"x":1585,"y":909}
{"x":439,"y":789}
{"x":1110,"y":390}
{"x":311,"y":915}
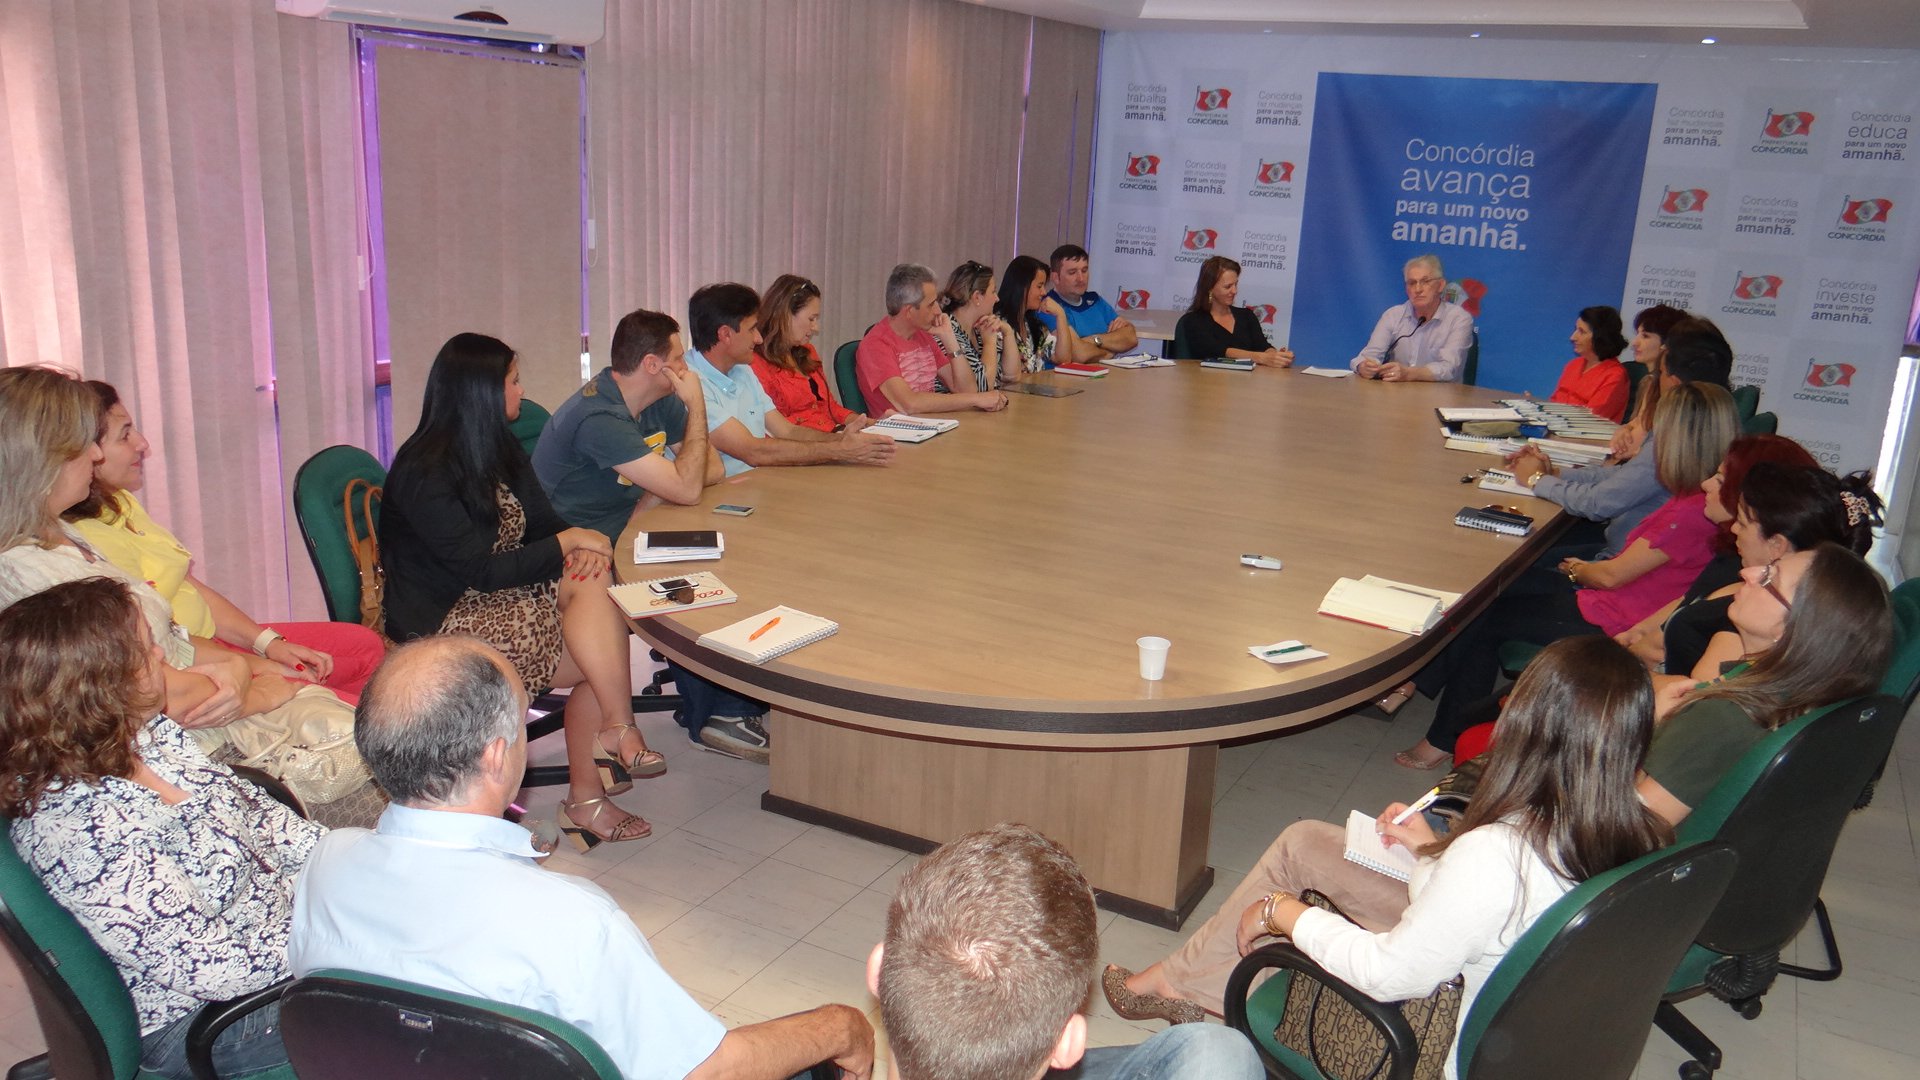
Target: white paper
{"x":1295,"y":657}
{"x":1325,"y":372}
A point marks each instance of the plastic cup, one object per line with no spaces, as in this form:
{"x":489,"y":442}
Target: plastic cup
{"x":1153,"y":657}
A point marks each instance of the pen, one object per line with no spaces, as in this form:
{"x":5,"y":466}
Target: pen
{"x":771,"y":623}
{"x":1278,"y":652}
{"x":1419,"y":804}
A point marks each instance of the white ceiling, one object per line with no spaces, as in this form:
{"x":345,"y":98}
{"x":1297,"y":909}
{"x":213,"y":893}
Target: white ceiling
{"x":1835,"y":23}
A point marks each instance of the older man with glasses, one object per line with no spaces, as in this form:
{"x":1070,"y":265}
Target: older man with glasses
{"x":1423,"y":340}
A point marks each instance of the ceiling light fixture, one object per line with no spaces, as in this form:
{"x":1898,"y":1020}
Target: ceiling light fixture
{"x":1709,"y":41}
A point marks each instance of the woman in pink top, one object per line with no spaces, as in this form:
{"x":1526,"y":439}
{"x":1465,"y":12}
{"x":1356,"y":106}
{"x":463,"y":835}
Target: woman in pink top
{"x":1693,"y":426}
{"x":1594,"y":377}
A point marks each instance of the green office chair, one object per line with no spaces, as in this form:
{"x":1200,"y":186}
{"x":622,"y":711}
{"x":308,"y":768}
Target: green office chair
{"x":1765,"y":423}
{"x":343,"y":1025}
{"x":1571,"y":1000}
{"x":533,"y":421}
{"x":318,"y":488}
{"x":1180,"y":348}
{"x":1636,"y":371}
{"x":1470,"y":371}
{"x":347,"y":1025}
{"x":1747,"y":400}
{"x":844,"y":378}
{"x":84,"y":1009}
{"x":1780,"y":808}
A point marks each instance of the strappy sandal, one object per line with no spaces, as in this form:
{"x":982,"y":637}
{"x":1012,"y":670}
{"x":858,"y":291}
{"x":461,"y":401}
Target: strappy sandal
{"x":588,"y":836}
{"x":1410,"y":759}
{"x":617,"y":776}
{"x":1131,"y":1006}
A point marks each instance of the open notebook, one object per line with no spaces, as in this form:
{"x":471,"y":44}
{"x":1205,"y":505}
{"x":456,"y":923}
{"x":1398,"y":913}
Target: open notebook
{"x":771,"y":633}
{"x":1364,"y":847}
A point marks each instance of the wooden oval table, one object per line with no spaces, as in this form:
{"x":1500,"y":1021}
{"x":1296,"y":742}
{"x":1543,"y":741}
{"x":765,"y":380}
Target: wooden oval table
{"x":991,"y":583}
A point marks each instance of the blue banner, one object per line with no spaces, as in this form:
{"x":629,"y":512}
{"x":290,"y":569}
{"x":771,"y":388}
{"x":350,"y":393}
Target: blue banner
{"x":1526,"y":190}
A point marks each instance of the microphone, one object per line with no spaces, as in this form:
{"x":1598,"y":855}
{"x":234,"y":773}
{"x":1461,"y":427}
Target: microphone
{"x":1418,"y":323}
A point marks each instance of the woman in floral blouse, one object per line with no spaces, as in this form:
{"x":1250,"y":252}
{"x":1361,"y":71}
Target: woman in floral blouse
{"x":182,"y":872}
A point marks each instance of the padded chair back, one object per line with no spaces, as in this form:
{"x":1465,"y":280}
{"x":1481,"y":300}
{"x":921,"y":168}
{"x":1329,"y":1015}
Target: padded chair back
{"x":345,"y":1025}
{"x":1636,"y":371}
{"x":1764,"y":423}
{"x":318,"y":489}
{"x":1470,"y":371}
{"x":85,"y":1011}
{"x":1903,"y":673}
{"x":533,"y":421}
{"x":844,"y":379}
{"x":1747,"y":400}
{"x":1575,"y":996}
{"x":1781,"y":808}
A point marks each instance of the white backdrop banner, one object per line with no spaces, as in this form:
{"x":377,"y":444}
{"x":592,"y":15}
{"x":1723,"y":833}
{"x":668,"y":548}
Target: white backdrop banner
{"x":1777,"y":197}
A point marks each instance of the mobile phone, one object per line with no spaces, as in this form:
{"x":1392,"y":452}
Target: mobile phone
{"x":733,"y":510}
{"x":662,"y":588}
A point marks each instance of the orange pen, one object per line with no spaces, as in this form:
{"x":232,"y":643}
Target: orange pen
{"x":771,"y":623}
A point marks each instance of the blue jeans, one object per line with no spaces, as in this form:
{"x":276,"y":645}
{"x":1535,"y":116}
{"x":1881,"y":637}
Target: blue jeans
{"x":704,"y":701}
{"x":250,"y":1046}
{"x":1181,"y":1052}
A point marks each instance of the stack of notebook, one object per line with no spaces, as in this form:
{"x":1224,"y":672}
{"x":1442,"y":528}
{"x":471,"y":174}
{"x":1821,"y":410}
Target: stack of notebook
{"x":686,"y":546}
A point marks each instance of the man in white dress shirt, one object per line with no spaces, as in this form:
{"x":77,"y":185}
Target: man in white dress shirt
{"x":1423,"y":340}
{"x":447,"y":893}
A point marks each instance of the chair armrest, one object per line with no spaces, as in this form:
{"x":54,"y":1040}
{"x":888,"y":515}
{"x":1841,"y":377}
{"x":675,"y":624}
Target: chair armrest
{"x":1402,"y":1047}
{"x":277,"y":790}
{"x":217,"y":1017}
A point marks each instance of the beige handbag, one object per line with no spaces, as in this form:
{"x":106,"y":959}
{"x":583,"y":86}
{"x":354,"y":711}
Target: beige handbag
{"x":306,"y":743}
{"x":1343,"y":1044}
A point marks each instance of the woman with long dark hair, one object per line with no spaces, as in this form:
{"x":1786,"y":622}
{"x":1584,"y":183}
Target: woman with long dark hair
{"x":1023,"y":292}
{"x":1650,"y":330}
{"x":180,"y":871}
{"x":1815,"y":627}
{"x":1555,"y":807}
{"x":472,"y":546}
{"x":1594,"y":378}
{"x":1214,"y":326}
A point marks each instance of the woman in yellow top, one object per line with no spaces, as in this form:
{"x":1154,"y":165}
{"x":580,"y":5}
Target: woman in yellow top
{"x":340,"y":656}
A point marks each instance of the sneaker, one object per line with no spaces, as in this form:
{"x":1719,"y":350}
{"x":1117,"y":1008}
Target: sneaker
{"x":743,"y":737}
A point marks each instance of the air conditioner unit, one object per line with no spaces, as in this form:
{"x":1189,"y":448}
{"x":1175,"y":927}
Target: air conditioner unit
{"x":559,"y":22}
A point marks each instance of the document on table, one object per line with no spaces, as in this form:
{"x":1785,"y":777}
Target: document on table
{"x":1325,"y":372}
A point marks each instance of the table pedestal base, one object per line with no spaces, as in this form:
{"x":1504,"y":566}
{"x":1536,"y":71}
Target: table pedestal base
{"x":1136,"y":820}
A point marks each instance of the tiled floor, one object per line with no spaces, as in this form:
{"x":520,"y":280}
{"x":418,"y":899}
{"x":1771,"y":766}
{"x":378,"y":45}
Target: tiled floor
{"x":759,"y":916}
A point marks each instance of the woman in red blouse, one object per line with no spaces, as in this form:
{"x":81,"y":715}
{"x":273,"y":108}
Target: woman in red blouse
{"x":1594,"y":377}
{"x":787,"y":363}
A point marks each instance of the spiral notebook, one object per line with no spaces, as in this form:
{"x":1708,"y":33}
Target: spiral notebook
{"x":771,"y":633}
{"x":1494,"y":521}
{"x":1364,"y":846}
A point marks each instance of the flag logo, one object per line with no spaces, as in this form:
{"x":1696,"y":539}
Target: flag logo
{"x":1865,"y":211}
{"x":1200,"y":239}
{"x":1210,"y":100}
{"x":1274,"y":172}
{"x":1824,"y":375}
{"x":1684,"y":201}
{"x":1756,"y":287}
{"x":1143,"y":165}
{"x":1133,"y":299}
{"x":1787,"y":125}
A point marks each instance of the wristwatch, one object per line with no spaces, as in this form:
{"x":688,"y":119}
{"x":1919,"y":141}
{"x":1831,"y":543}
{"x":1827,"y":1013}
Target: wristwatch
{"x":1096,"y":342}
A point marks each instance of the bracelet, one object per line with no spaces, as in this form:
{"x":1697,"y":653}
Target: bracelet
{"x":265,"y":640}
{"x":1266,"y":912}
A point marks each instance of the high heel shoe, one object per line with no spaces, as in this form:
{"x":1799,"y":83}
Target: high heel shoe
{"x":1131,"y":1006}
{"x":586,"y":836}
{"x":617,"y":776}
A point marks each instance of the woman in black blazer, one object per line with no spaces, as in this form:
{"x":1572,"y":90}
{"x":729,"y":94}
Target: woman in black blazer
{"x":1213,"y":327}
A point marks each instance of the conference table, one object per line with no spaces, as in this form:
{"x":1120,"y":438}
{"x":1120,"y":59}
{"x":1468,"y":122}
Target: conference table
{"x":990,"y":584}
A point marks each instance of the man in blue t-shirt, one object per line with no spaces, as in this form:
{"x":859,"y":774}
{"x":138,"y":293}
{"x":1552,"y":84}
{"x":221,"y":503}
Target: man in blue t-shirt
{"x":633,"y":437}
{"x":1102,"y":330}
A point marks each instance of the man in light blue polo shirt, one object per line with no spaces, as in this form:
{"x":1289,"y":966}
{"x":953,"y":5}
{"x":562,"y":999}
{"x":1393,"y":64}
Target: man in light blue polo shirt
{"x":440,"y":893}
{"x":1102,"y":331}
{"x":742,"y":422}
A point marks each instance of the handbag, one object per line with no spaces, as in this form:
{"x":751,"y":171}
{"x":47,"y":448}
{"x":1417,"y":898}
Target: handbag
{"x":1343,"y":1044}
{"x":366,"y":552}
{"x":306,"y":743}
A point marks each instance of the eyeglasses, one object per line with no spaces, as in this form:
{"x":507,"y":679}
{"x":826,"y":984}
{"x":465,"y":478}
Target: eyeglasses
{"x":1768,"y":577}
{"x":1421,"y":283}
